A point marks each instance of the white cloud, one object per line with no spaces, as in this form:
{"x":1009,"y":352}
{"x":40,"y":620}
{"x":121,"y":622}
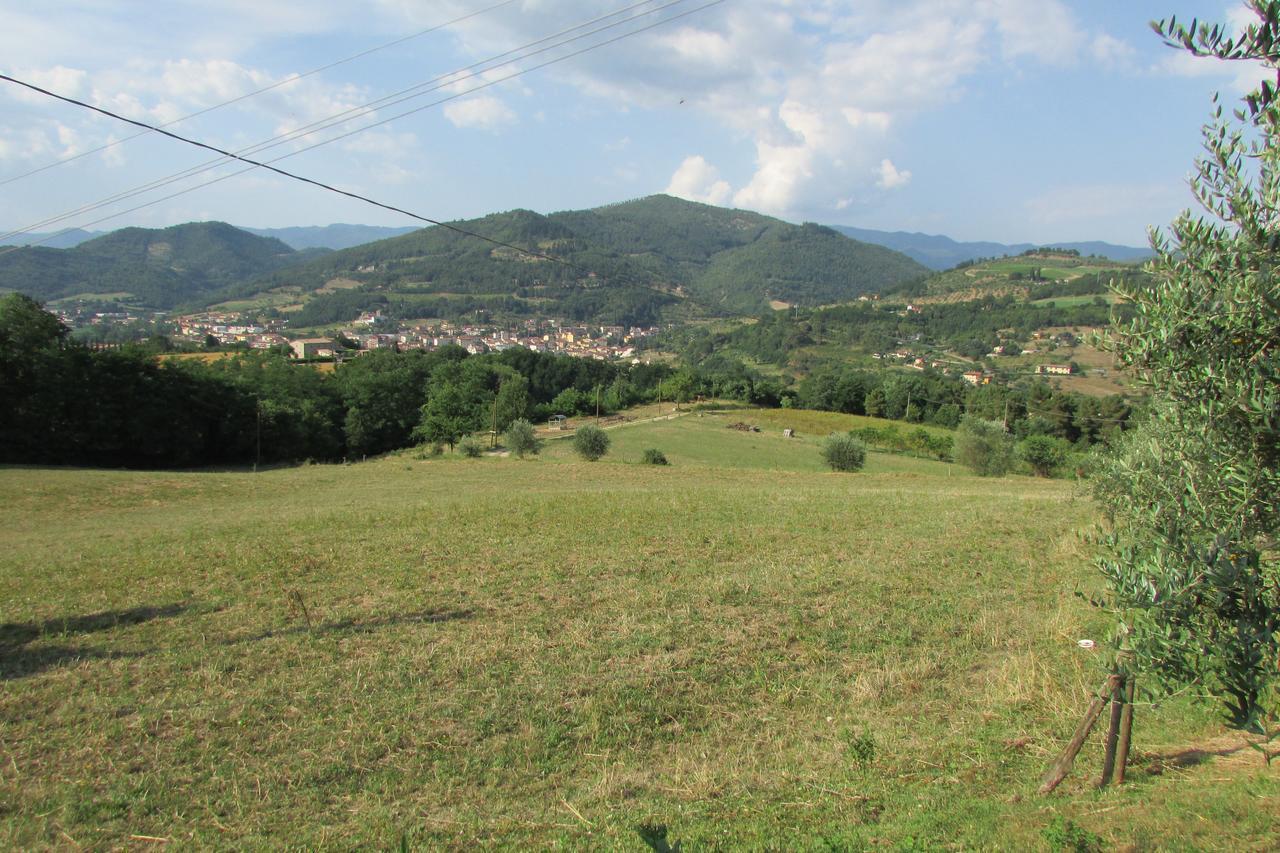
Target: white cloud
{"x":816,"y":89}
{"x":891,"y":177}
{"x":698,"y":180}
{"x":1111,"y":52}
{"x":484,"y":112}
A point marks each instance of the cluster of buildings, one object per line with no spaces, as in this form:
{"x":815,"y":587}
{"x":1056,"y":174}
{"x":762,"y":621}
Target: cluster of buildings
{"x":79,"y":317}
{"x":373,"y":331}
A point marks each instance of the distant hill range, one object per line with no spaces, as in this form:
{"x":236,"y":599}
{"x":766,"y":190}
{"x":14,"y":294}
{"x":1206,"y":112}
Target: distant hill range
{"x":68,"y":239}
{"x":633,"y":262}
{"x":940,"y":253}
{"x":637,"y":262}
{"x":336,"y":236}
{"x":156,"y":268}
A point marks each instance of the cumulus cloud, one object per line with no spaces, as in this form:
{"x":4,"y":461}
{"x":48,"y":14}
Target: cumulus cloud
{"x":698,"y":180}
{"x":1111,"y":52}
{"x":484,"y":112}
{"x":892,"y":177}
{"x":817,"y":90}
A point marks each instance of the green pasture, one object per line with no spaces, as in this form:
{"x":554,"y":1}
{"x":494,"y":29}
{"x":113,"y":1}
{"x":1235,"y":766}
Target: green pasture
{"x":452,"y":653}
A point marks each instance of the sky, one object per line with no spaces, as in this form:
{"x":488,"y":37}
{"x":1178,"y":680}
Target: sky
{"x":1008,"y":120}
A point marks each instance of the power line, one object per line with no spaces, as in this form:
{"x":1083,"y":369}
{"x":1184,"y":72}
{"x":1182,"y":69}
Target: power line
{"x":346,"y":115}
{"x":282,"y":82}
{"x":256,"y":164}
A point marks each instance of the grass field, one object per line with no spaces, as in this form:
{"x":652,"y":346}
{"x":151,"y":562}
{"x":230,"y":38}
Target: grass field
{"x":549,"y":653}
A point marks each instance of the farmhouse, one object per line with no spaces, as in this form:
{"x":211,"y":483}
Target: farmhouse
{"x":1057,"y":369}
{"x":313,"y":348}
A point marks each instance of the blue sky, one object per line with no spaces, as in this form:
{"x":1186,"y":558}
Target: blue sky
{"x":1009,"y":120}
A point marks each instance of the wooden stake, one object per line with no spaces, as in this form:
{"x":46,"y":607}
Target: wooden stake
{"x":1126,"y":728}
{"x":1113,"y":733}
{"x":1059,"y":769}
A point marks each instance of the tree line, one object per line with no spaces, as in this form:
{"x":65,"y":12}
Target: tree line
{"x":68,"y":404}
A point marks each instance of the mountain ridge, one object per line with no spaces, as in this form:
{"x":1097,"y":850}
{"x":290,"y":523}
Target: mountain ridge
{"x":939,"y":252}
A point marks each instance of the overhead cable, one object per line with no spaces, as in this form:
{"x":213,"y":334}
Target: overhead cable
{"x":451,"y":78}
{"x":282,"y":82}
{"x":329,"y":188}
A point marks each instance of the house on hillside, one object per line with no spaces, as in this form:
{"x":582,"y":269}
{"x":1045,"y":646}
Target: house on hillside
{"x":313,"y":348}
{"x":1056,"y":369}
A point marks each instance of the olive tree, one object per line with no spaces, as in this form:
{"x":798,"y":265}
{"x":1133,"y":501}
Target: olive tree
{"x":591,"y":442}
{"x":1190,"y":559}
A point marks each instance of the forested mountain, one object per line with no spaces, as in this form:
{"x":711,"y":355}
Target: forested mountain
{"x":939,"y":253}
{"x":340,"y":235}
{"x":630,"y":263}
{"x":159,"y":268}
{"x":621,"y":263}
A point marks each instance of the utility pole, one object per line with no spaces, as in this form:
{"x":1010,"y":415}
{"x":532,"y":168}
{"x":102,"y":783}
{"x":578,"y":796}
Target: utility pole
{"x":493,"y":431}
{"x":1006,"y":414}
{"x":597,"y":405}
{"x":257,"y":456}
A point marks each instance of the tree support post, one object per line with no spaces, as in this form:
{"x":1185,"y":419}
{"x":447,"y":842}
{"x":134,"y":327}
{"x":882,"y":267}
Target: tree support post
{"x":1060,"y":768}
{"x":1113,"y":730}
{"x":1126,"y":729}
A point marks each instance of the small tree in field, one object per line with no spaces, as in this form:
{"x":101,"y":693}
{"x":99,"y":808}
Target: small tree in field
{"x":521,"y":439}
{"x":1191,"y":561}
{"x":844,"y":453}
{"x":591,"y":442}
{"x":984,"y":447}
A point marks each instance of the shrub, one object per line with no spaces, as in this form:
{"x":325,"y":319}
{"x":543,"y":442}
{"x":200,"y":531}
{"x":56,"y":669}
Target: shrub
{"x":844,"y":453}
{"x":521,"y":439}
{"x":1044,"y":453}
{"x":653,"y":456}
{"x":471,"y":447}
{"x":984,"y":447}
{"x":591,"y":442}
{"x":427,"y":451}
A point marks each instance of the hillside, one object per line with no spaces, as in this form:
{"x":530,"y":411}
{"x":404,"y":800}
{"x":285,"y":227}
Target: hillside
{"x":153,"y":268}
{"x":1033,"y":275}
{"x":550,"y":654}
{"x":623,"y":263}
{"x":939,"y":253}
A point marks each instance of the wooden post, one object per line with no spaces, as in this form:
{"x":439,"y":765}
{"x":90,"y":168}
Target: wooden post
{"x":1060,"y":768}
{"x":1113,"y":732}
{"x":1126,"y":729}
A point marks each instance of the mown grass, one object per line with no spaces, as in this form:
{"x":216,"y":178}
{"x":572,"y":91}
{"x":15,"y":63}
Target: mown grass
{"x":543,"y":653}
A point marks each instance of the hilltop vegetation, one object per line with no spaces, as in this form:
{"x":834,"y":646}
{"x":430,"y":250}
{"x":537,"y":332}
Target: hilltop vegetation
{"x":1033,"y":275}
{"x":627,"y":263}
{"x":160,"y":268}
{"x":940,"y":253}
{"x":630,"y":264}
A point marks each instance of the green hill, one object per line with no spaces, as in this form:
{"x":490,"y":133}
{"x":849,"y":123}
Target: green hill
{"x":158,"y":268}
{"x":620,"y":263}
{"x":1034,"y":275}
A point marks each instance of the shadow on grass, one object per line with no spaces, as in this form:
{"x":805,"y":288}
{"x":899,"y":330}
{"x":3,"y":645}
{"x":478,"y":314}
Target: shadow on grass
{"x":358,"y":626}
{"x":1192,"y":757}
{"x":17,"y":660}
